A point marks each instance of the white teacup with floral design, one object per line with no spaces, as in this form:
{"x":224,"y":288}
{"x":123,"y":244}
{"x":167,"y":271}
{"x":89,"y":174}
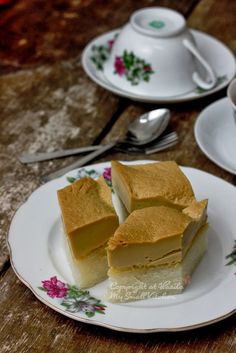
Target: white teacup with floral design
{"x":155,"y":55}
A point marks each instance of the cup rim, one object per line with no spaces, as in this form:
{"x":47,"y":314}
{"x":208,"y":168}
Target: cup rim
{"x":229,"y":92}
{"x":135,"y":21}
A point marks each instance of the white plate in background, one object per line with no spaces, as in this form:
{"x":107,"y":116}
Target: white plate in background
{"x":215,"y":133}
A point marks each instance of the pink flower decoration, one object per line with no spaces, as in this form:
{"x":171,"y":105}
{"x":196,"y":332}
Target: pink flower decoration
{"x":119,"y":66}
{"x":107,"y":174}
{"x":55,"y":288}
{"x":110,"y":43}
{"x":99,"y":308}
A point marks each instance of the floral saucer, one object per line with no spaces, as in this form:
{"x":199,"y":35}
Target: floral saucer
{"x":215,"y":133}
{"x":38,"y":258}
{"x":216,"y":53}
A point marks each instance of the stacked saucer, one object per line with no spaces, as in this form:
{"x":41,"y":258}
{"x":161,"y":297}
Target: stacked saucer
{"x":107,"y":61}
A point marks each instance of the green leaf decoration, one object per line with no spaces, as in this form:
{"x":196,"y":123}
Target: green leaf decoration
{"x":109,"y":183}
{"x":73,"y":299}
{"x":90,"y":313}
{"x":128,"y":59}
{"x":133,"y":68}
{"x":232,"y":256}
{"x":100,"y":53}
{"x":82,"y":173}
{"x":41,"y":288}
{"x":74,"y":292}
{"x":71,"y":179}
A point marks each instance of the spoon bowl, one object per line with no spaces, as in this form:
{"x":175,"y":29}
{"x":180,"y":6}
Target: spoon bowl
{"x":148,"y":127}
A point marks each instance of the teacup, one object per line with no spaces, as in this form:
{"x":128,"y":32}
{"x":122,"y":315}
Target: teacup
{"x":155,"y":54}
{"x":231,"y":93}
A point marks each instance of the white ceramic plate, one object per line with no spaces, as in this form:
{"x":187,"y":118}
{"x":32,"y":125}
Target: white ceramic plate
{"x":37,"y":254}
{"x":216,"y":53}
{"x":215,"y":133}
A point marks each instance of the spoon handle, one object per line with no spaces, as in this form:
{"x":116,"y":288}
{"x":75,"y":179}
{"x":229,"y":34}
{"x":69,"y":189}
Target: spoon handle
{"x":79,"y":163}
{"x":45,"y":156}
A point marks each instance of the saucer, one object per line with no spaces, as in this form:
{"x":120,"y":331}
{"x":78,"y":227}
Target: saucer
{"x":215,"y":133}
{"x":216,"y":53}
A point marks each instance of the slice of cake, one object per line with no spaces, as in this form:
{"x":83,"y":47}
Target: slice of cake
{"x":155,"y":250}
{"x":152,"y":184}
{"x":89,"y":220}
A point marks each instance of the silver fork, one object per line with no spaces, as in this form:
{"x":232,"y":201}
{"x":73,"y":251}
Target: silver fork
{"x":163,"y":143}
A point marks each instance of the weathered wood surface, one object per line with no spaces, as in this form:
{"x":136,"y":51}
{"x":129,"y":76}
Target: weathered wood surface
{"x":48,"y":108}
{"x":38,"y":31}
{"x":42,"y":108}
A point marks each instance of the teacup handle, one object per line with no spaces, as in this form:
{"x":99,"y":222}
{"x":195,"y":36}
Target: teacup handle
{"x":196,"y":77}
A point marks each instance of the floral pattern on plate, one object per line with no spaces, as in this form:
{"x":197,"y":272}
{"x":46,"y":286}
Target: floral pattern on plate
{"x":73,"y":299}
{"x":92,"y":173}
{"x":232,"y":256}
{"x":100,"y":53}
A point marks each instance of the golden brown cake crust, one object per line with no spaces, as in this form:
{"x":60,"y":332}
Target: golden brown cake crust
{"x":196,"y":209}
{"x":149,"y":225}
{"x":163,"y":179}
{"x":84,"y":202}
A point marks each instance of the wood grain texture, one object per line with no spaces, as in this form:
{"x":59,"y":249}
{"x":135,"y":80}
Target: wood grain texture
{"x":37,"y":31}
{"x":44,"y":109}
{"x":209,"y":17}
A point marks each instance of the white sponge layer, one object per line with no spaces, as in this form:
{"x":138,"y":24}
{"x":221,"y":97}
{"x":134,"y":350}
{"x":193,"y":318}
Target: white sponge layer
{"x":91,"y":269}
{"x":153,"y":282}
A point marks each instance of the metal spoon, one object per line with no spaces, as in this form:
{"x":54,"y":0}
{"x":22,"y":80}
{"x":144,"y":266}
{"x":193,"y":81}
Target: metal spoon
{"x":143,"y":130}
{"x":148,"y":127}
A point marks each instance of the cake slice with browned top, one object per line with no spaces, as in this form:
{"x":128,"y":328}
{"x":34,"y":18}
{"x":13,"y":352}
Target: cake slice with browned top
{"x":89,"y":220}
{"x":152,"y":184}
{"x":155,"y":250}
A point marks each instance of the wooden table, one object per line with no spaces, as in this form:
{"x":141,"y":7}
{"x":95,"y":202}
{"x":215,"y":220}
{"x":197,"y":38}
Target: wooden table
{"x":47,"y":102}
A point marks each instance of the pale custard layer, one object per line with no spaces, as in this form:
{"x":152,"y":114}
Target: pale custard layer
{"x":154,"y":236}
{"x":88,"y":215}
{"x":152,"y":184}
